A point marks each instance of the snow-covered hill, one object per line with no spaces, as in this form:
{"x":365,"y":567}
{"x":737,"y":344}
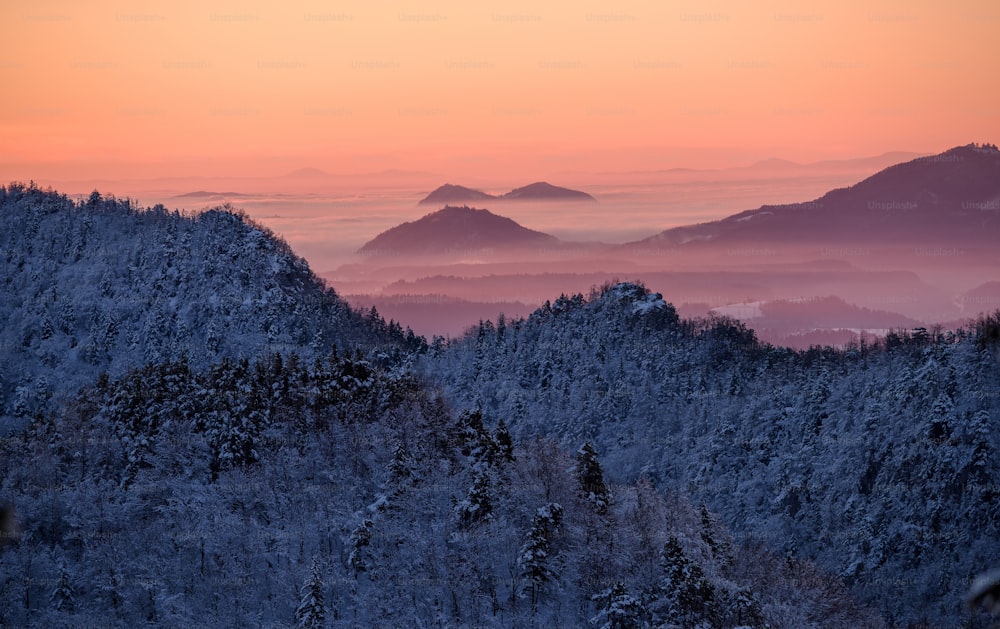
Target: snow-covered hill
{"x":103,"y":285}
{"x":335,"y":493}
{"x":877,"y":462}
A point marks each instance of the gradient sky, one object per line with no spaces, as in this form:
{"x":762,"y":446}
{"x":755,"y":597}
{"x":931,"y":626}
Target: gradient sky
{"x":132,"y":89}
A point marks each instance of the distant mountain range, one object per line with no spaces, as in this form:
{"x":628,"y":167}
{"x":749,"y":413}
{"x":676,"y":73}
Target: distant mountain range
{"x":455,"y":230}
{"x":940,"y":200}
{"x":207,"y":195}
{"x":800,"y":323}
{"x":771,"y":167}
{"x":538,"y":191}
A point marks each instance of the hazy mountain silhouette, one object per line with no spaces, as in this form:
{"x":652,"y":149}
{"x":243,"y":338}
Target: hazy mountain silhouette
{"x":983,"y":298}
{"x":877,"y":162}
{"x":800,"y":323}
{"x":454,"y":230}
{"x":947,"y":199}
{"x":538,"y":191}
{"x":449,"y":193}
{"x":543,"y":191}
{"x":307,"y":173}
{"x":206,"y":194}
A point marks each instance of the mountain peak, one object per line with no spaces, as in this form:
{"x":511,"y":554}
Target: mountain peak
{"x":454,"y":229}
{"x":450,"y":193}
{"x":537,"y":191}
{"x":303,"y":173}
{"x":950,"y":197}
{"x":544,"y":191}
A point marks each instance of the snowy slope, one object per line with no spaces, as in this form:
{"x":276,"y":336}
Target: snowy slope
{"x":879,"y":463}
{"x":105,"y":286}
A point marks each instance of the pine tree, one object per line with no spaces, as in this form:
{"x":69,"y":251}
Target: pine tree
{"x":534,"y":559}
{"x":64,"y":594}
{"x":746,"y":609}
{"x":399,"y":468}
{"x":311,"y":612}
{"x":590,"y":477}
{"x":706,"y":531}
{"x":942,"y":418}
{"x":619,"y":610}
{"x":475,"y":441}
{"x":684,"y":595}
{"x":360,"y":537}
{"x":504,"y":442}
{"x":979,"y":432}
{"x":478,"y":505}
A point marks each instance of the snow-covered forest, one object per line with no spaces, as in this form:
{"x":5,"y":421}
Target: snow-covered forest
{"x":198,"y":432}
{"x":879,"y":462}
{"x":104,"y":285}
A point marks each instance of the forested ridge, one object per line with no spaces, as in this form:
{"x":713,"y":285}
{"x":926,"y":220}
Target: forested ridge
{"x":105,"y":285}
{"x":198,"y":432}
{"x":877,"y":461}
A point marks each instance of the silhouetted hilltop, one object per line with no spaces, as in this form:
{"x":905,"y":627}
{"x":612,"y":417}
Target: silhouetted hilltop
{"x":208,"y":195}
{"x":543,"y":191}
{"x":946,"y":199}
{"x":449,"y":193}
{"x":453,"y":230}
{"x":538,"y":191}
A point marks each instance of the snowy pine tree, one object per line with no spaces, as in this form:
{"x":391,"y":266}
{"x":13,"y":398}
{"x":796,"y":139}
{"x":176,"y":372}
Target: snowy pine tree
{"x":478,"y":505}
{"x":504,"y":442}
{"x":534,"y":558}
{"x":63,"y":597}
{"x":399,"y":466}
{"x":311,"y":612}
{"x":684,"y":595}
{"x":590,"y":477}
{"x":360,"y":538}
{"x":619,"y":609}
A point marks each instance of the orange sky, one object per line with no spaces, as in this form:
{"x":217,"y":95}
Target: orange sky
{"x":517,"y":89}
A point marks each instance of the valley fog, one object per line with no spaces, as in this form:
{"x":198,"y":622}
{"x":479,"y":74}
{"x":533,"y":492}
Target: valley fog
{"x":791,"y":293}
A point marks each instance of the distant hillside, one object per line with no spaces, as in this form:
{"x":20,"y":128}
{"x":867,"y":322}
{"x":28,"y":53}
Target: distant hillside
{"x":439,"y":315}
{"x":801,"y":323}
{"x":538,"y":191}
{"x":949,"y":199}
{"x":105,"y":286}
{"x":205,"y":195}
{"x":542,"y":191}
{"x":448,"y":194}
{"x":984,"y":298}
{"x":455,"y":230}
{"x":876,"y":163}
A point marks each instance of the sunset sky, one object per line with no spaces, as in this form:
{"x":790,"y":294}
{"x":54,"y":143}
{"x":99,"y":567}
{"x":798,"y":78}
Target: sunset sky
{"x":110,"y":90}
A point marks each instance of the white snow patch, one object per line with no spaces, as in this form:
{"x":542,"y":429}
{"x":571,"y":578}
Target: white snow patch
{"x":380,"y":503}
{"x":647,"y":304}
{"x":747,"y":218}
